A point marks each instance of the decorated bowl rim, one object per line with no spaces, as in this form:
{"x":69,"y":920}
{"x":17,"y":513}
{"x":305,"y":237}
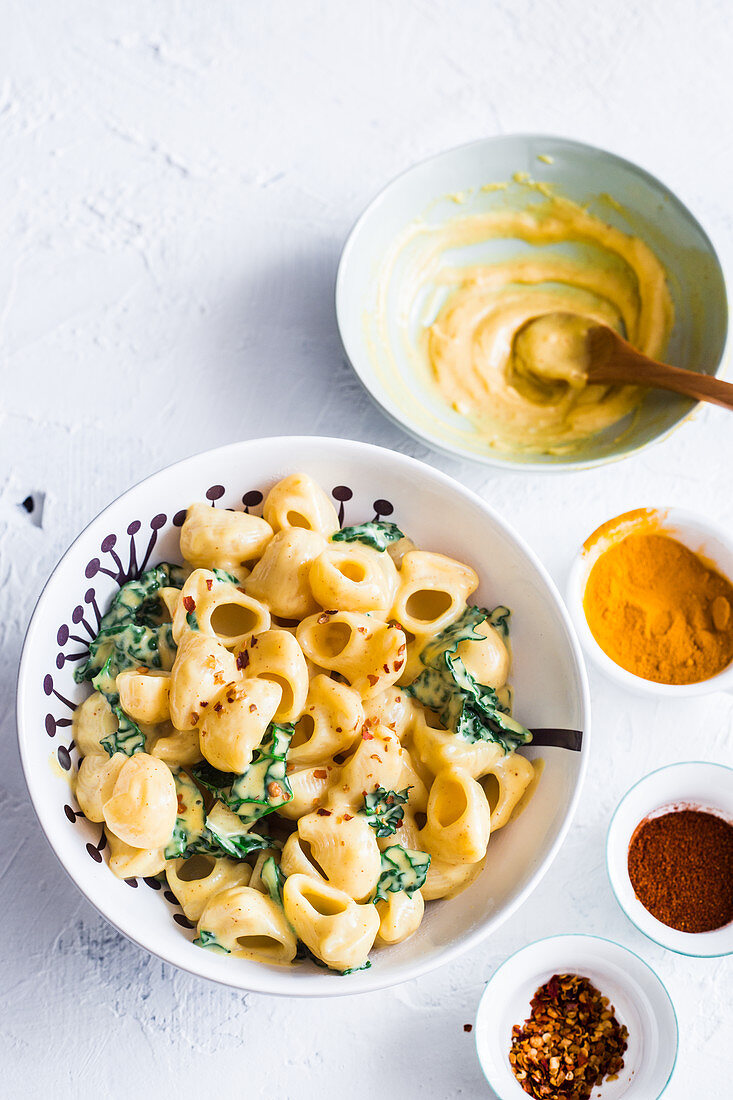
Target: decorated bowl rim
{"x":298,"y":983}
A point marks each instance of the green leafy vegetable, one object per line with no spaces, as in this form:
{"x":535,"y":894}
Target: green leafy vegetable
{"x":190,"y":817}
{"x":273,"y":879}
{"x":499,"y":619}
{"x":208,"y":939}
{"x":402,"y":869}
{"x":354,"y":969}
{"x":220,"y":833}
{"x":304,"y":952}
{"x":376,"y":534}
{"x":224,"y":834}
{"x":469,"y":709}
{"x":134,"y":633}
{"x":383,"y":810}
{"x":224,"y":577}
{"x":264,"y":786}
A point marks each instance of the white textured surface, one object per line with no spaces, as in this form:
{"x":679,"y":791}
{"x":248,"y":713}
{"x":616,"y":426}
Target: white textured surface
{"x":176,"y":182}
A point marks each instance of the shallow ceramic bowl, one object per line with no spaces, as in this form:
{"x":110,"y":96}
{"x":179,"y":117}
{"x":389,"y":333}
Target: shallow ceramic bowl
{"x":450,"y":186}
{"x":704,"y":537}
{"x":640,"y":1000}
{"x":692,"y":785}
{"x":141,"y":528}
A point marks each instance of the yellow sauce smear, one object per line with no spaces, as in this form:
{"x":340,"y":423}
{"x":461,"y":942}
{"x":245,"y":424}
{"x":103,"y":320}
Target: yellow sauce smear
{"x":659,"y":610}
{"x":467,"y":345}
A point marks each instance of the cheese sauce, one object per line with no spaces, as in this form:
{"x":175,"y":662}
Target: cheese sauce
{"x":469,"y":346}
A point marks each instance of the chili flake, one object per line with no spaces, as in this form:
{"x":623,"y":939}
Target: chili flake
{"x":189,"y":603}
{"x":571,"y":1042}
{"x":242,"y":659}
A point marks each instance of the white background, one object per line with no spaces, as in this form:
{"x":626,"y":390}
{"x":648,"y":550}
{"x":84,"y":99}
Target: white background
{"x":176,"y":182}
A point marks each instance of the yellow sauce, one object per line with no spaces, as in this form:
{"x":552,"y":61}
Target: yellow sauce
{"x":473,"y":347}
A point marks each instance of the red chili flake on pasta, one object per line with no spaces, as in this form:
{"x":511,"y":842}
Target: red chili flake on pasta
{"x":373,"y":679}
{"x":242,"y":659}
{"x":468,"y":1027}
{"x":324,"y":617}
{"x":252,"y":708}
{"x":204,"y":703}
{"x":275,"y":790}
{"x":209,"y":584}
{"x":320,"y":773}
{"x":386,"y":668}
{"x":323,"y":813}
{"x":348,"y":817}
{"x":338,"y":728}
{"x":402,"y":649}
{"x":218,"y":677}
{"x":398,"y":665}
{"x":181,"y":806}
{"x":218,"y":707}
{"x":189,"y":603}
{"x":194,"y":718}
{"x":367,"y":736}
{"x":361,"y":629}
{"x":374,"y":756}
{"x":253,"y":643}
{"x":240,"y":589}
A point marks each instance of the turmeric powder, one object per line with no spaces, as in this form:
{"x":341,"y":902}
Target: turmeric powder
{"x":659,"y":611}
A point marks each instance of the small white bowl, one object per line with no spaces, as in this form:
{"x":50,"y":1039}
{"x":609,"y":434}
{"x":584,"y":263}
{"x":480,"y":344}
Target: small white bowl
{"x":639,"y":999}
{"x":142,"y":526}
{"x":701,"y":535}
{"x":458,"y":182}
{"x":694,"y":785}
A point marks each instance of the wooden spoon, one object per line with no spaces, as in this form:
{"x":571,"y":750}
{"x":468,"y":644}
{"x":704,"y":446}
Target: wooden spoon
{"x":599,"y":354}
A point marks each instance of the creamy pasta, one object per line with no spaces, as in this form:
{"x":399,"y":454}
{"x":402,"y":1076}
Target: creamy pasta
{"x":305,"y":728}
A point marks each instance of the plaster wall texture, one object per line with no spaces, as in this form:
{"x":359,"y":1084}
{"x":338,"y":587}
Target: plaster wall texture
{"x":176,"y":182}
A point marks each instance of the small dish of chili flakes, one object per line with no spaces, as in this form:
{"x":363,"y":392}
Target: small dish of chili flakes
{"x":639,"y":1024}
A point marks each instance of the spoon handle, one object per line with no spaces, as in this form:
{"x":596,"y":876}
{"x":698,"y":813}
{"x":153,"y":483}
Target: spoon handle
{"x":703,"y":387}
{"x":614,"y":360}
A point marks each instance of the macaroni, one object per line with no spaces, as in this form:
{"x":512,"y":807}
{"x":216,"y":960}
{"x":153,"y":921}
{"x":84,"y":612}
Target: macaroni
{"x":306,"y":729}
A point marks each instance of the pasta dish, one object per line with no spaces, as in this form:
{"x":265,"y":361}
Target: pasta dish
{"x":305,"y":728}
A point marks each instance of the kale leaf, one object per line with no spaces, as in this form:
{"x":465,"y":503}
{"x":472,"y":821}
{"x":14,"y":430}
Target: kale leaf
{"x":262,"y":788}
{"x":208,"y":939}
{"x":376,"y":534}
{"x":273,"y":878}
{"x":134,"y":633}
{"x":220,"y":833}
{"x":467,"y":708}
{"x":402,"y":869}
{"x":383,"y":810}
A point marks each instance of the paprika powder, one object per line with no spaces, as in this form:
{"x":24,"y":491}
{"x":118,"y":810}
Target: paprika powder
{"x":681,"y":868}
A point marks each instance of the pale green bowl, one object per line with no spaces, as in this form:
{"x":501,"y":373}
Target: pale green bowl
{"x":638,"y":204}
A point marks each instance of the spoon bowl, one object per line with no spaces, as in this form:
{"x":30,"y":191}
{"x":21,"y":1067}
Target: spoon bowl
{"x":557,"y":349}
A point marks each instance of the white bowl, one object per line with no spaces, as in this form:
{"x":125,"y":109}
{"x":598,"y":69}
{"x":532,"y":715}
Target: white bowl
{"x":453,"y":184}
{"x":701,"y":535}
{"x":695,"y":785}
{"x":549,"y":676}
{"x":640,"y":1001}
